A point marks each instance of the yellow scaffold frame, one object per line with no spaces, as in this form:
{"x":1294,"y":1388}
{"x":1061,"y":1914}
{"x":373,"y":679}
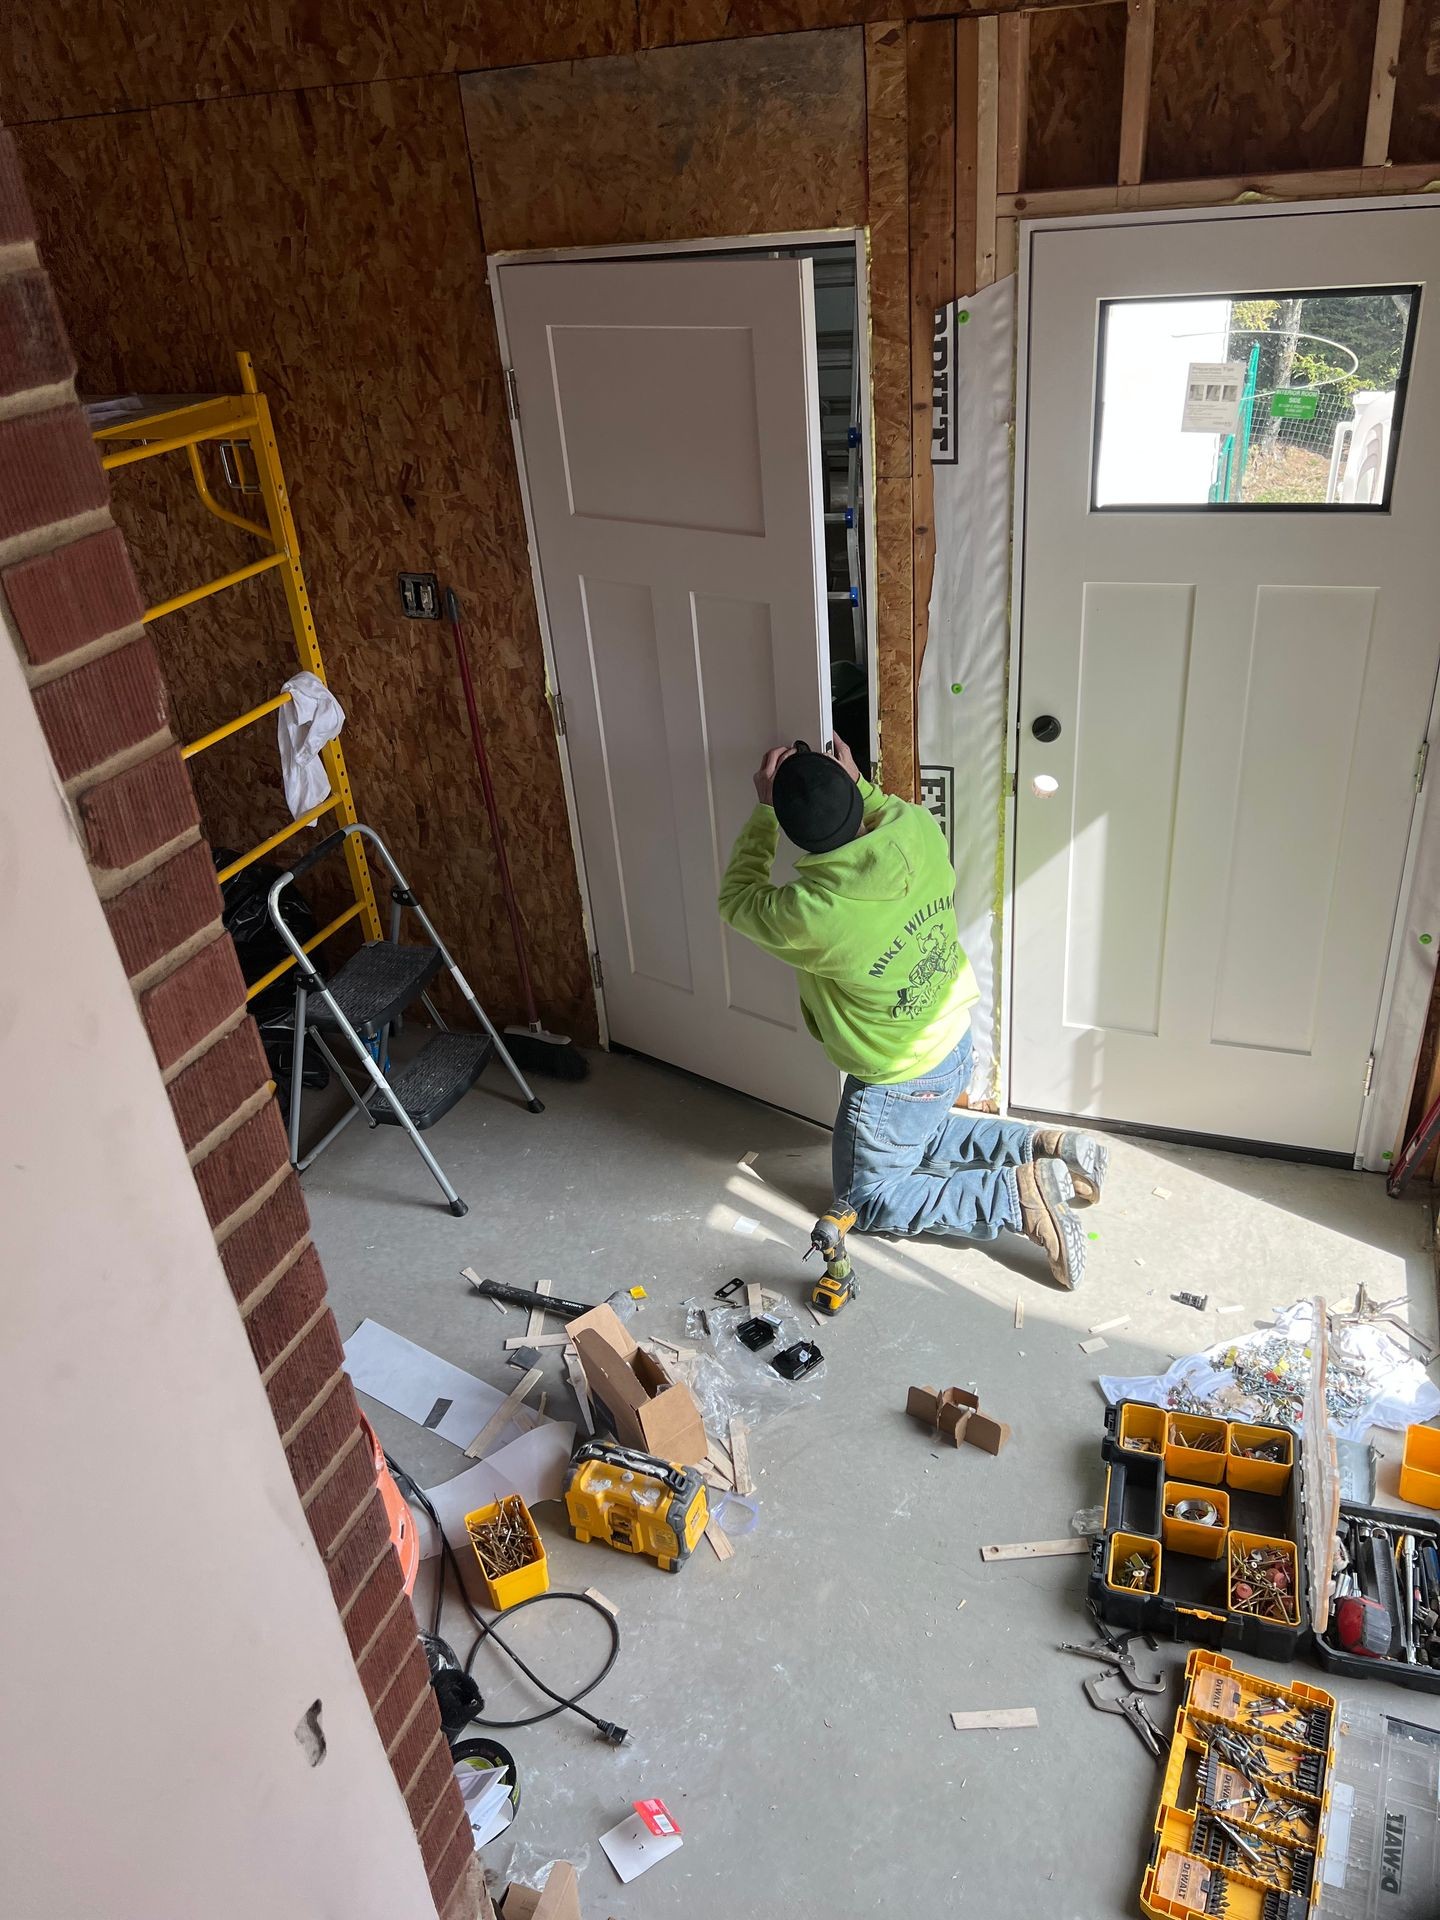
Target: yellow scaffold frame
{"x":244,"y":418}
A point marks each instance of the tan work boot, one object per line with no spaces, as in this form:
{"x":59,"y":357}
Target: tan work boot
{"x":1046,"y":1191}
{"x":1087,"y":1158}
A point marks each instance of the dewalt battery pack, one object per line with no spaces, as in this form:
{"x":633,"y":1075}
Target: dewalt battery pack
{"x":635,"y":1502}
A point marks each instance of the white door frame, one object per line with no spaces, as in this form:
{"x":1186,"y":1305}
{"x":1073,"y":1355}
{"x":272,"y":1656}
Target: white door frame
{"x":1392,"y":1035}
{"x":657,"y":250}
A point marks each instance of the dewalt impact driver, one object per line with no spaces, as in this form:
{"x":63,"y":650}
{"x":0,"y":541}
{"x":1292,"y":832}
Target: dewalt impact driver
{"x":836,"y":1286}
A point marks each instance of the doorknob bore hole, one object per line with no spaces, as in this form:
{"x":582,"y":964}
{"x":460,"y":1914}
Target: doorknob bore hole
{"x":1044,"y":785}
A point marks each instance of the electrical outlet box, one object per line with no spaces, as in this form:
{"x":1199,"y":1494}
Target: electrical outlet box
{"x":419,"y":596}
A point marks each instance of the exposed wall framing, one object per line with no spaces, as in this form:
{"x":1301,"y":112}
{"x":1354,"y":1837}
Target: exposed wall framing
{"x":336,"y":230}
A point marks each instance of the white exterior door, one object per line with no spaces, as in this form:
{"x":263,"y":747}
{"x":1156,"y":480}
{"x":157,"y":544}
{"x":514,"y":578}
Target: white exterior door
{"x":670,"y":430}
{"x":1206,"y":879}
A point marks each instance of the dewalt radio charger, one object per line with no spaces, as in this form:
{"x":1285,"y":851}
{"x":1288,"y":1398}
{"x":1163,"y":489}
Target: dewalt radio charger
{"x":635,"y":1502}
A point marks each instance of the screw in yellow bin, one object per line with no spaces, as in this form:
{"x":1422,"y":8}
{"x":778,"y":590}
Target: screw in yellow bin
{"x":836,"y":1287}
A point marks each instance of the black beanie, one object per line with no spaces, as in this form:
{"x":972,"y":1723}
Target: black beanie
{"x":816,"y":802}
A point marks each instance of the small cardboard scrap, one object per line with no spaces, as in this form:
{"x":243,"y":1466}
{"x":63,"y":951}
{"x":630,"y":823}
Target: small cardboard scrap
{"x":643,"y":1405}
{"x":998,"y":1717}
{"x":953,"y":1414}
{"x":1097,"y":1345}
{"x":651,"y":1834}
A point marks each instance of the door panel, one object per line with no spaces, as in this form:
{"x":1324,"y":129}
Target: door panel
{"x":669,"y":419}
{"x":1203,"y":905}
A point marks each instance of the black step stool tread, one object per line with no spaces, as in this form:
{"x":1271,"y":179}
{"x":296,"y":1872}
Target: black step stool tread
{"x":376,"y":985}
{"x":443,"y":1071}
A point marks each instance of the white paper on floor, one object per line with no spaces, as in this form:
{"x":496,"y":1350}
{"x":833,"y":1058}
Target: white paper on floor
{"x":1372,"y":1379}
{"x":425,"y":1388}
{"x":632,"y":1847}
{"x":532,"y":1466}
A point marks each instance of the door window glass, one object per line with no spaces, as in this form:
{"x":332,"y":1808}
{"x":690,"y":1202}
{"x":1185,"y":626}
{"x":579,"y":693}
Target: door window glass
{"x":1278,"y":401}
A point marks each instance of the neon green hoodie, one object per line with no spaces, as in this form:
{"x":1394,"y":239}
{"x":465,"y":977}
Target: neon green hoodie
{"x":870,"y":928}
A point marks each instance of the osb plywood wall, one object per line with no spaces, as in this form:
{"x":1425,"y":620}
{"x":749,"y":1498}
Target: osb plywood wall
{"x":332,"y":233}
{"x":319,"y":184}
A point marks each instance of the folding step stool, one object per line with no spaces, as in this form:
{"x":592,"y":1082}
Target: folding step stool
{"x":369,"y":993}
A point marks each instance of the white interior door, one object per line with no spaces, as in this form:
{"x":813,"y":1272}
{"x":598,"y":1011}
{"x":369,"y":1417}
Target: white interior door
{"x":1204,"y":897}
{"x":670,"y":428}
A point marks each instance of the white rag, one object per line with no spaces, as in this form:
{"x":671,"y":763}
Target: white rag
{"x":309,"y":720}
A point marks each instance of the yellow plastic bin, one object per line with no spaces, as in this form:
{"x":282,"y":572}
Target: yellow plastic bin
{"x":1195,"y":1448}
{"x":1205,"y":1542}
{"x":503,"y":1590}
{"x":1142,"y":1428}
{"x":1420,"y":1467}
{"x":1122,"y":1546}
{"x":1243,"y":1543}
{"x":1259,"y":1476}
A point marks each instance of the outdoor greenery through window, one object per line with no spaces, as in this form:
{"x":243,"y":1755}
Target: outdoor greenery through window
{"x":1252,"y":400}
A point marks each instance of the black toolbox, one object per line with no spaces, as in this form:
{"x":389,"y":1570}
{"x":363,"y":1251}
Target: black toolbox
{"x":1360,"y":1666}
{"x":1189,"y":1592}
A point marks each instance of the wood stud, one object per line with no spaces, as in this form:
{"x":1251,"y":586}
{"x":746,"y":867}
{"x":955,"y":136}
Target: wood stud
{"x":1135,"y":102}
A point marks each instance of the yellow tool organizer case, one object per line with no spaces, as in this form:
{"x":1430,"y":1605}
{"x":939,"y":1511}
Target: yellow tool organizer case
{"x":1281,"y":1802}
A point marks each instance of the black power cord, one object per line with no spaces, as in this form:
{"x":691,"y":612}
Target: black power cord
{"x":485,"y":1630}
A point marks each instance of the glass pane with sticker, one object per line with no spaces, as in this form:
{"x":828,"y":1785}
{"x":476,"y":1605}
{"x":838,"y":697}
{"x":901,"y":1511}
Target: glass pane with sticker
{"x":1284,"y":401}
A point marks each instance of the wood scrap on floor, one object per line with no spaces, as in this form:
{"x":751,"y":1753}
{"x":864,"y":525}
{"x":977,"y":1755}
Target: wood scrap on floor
{"x":719,"y":1540}
{"x":740,"y":1456}
{"x":469,"y":1273}
{"x":1036,"y":1549}
{"x":1019,"y":1313}
{"x":996,"y":1718}
{"x":594,"y":1593}
{"x":1108,"y":1326}
{"x":537,"y":1340}
{"x":536,"y":1323}
{"x":502,"y":1416}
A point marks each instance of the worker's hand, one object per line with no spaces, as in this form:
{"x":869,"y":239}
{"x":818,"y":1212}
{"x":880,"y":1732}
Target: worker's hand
{"x":765,"y":773}
{"x":843,"y":757}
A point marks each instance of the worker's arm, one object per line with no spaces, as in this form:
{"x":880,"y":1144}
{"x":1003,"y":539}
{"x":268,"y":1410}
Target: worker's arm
{"x":870,"y":796}
{"x":782,"y":920}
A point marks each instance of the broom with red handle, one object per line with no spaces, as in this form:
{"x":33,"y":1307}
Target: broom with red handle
{"x":534,"y":1049}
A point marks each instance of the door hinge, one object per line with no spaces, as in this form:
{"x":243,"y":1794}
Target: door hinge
{"x":597,"y":972}
{"x":557,"y":710}
{"x":1369,"y":1076}
{"x":1421,"y":761}
{"x":512,"y":393}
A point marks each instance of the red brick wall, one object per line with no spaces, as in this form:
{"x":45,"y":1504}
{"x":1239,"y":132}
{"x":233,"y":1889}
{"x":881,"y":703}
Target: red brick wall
{"x":75,"y":607}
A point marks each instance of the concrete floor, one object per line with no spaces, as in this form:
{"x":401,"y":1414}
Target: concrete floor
{"x":792,"y":1706}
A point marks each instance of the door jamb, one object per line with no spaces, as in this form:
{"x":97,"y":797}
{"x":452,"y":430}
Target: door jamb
{"x":1386,"y":1035}
{"x":658,"y":250}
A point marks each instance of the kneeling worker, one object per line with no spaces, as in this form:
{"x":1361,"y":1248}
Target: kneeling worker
{"x":869,"y":926}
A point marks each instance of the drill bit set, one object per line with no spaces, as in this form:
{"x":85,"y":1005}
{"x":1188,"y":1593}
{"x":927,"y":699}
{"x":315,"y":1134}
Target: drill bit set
{"x":1238,"y":1832}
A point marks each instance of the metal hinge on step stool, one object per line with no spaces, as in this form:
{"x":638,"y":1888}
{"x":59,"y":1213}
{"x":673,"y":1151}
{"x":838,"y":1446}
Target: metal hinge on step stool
{"x":1421,"y":760}
{"x":512,"y":394}
{"x":597,"y":972}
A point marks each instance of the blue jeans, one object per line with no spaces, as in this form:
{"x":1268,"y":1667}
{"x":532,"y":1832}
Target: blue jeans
{"x":907,"y":1162}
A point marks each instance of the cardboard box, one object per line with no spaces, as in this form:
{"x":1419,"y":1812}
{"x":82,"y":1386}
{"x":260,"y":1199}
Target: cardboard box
{"x":954,"y":1415}
{"x":558,"y":1899}
{"x":645,"y":1407}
